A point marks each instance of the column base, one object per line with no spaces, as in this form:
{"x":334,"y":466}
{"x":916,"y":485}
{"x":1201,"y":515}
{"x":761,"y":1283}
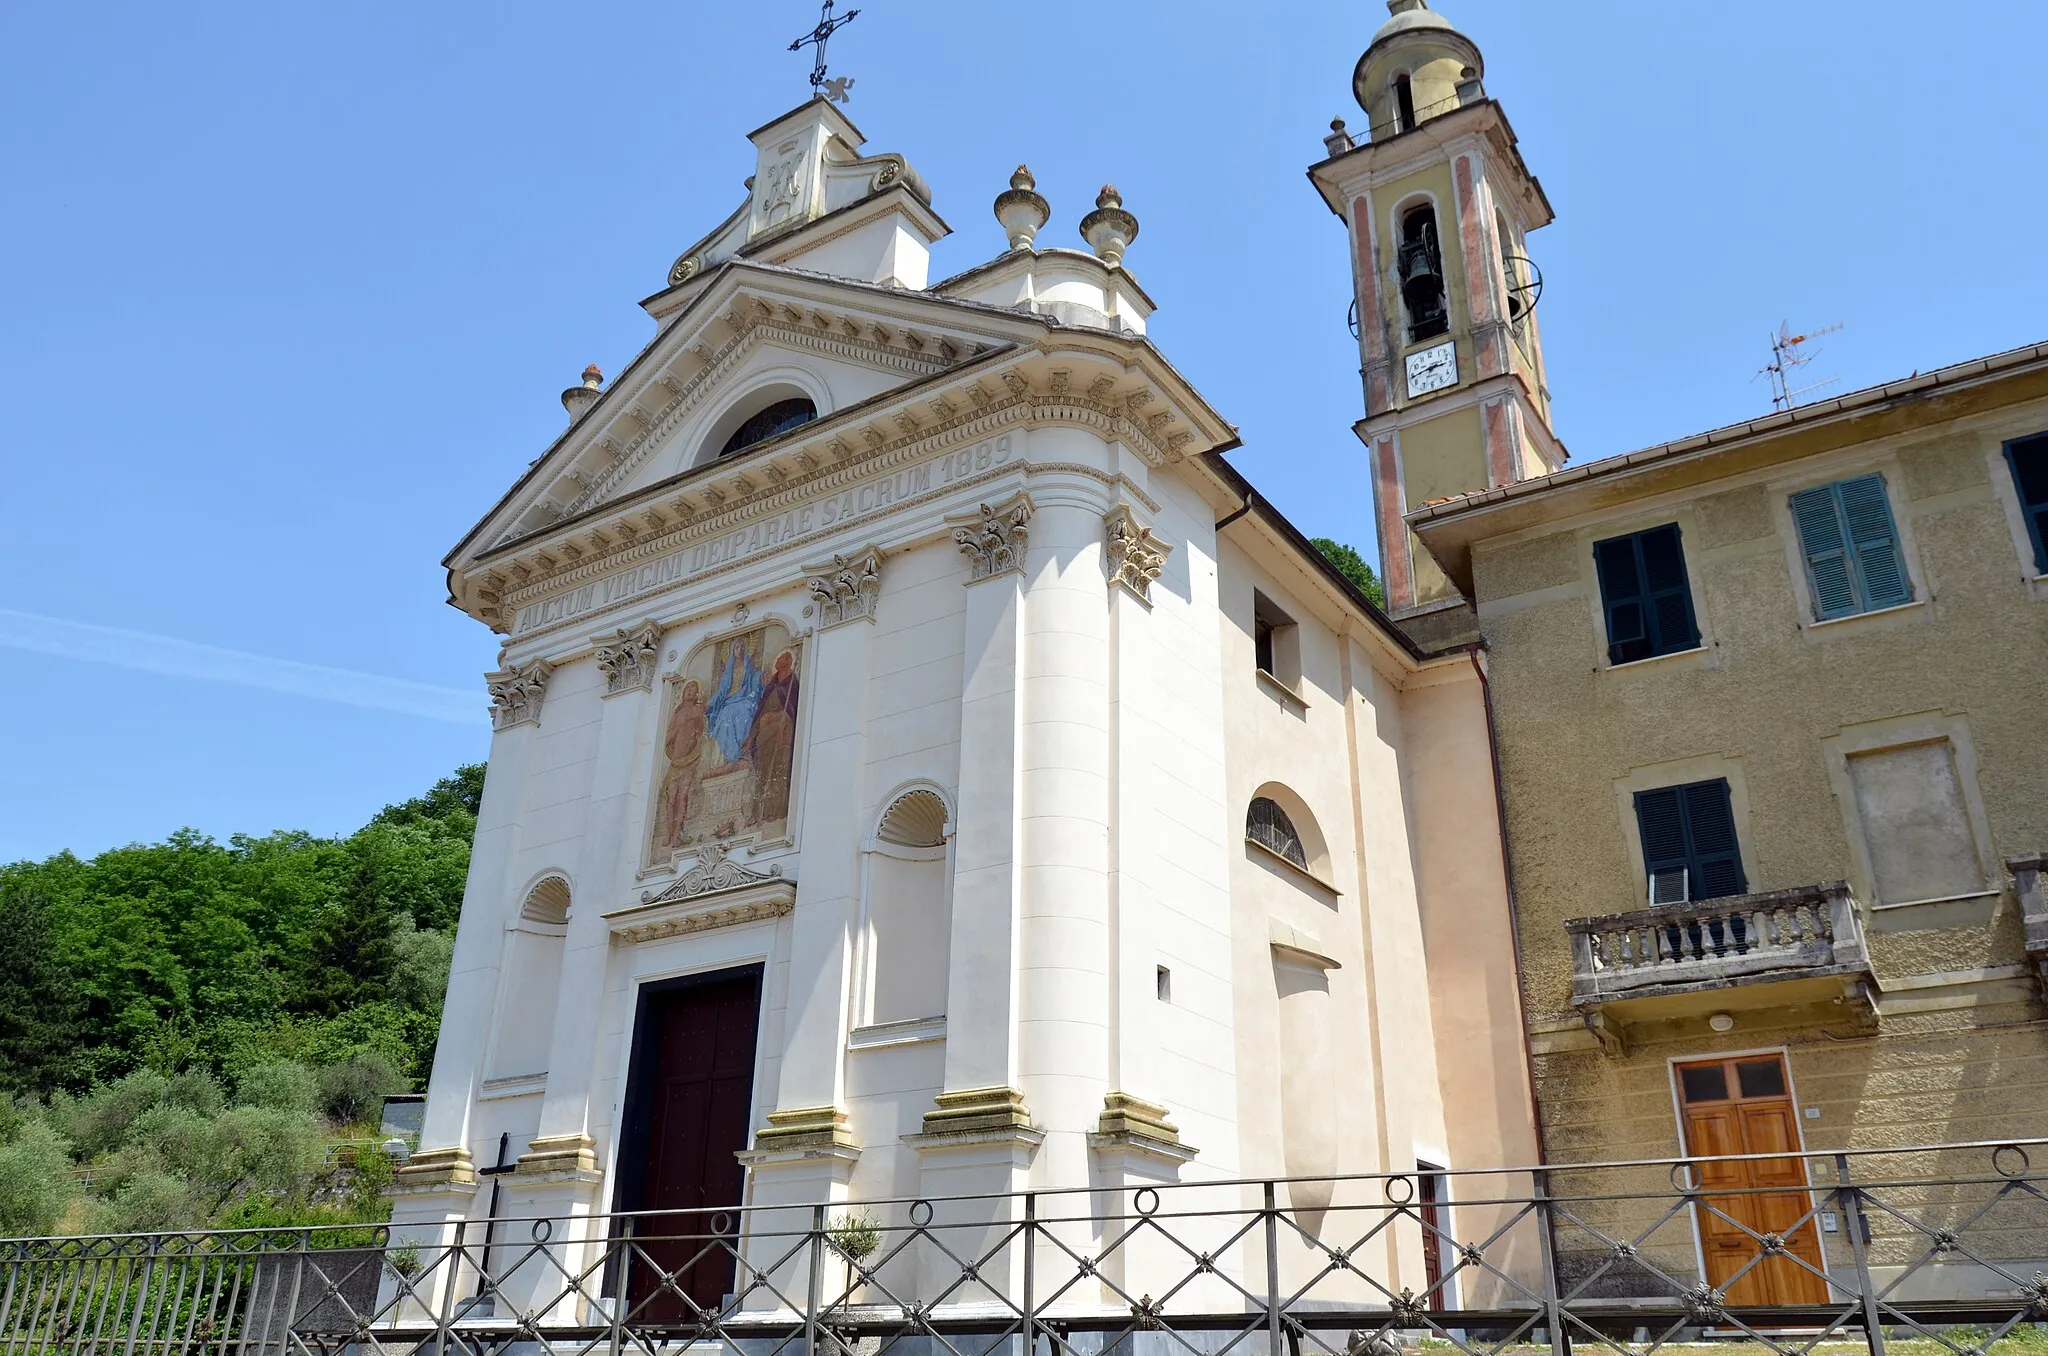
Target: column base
{"x":435,"y":1171}
{"x":559,"y":1158}
{"x":811,"y":1127}
{"x":1133,"y":1128}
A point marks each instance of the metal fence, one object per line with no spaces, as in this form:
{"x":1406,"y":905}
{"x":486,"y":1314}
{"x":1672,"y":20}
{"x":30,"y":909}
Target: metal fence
{"x":1942,"y":1246}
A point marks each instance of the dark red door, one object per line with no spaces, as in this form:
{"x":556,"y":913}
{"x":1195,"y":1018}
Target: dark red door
{"x":689,"y":1104}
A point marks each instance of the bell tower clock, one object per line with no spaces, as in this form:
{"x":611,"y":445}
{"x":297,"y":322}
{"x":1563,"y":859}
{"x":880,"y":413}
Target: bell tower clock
{"x":1438,"y":202}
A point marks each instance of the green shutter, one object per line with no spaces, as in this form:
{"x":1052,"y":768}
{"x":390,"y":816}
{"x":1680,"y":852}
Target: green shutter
{"x":1853,"y":560}
{"x":2028,"y":458}
{"x":1880,"y":567}
{"x":1644,"y":592}
{"x":1827,"y":556}
{"x":1693,"y":827}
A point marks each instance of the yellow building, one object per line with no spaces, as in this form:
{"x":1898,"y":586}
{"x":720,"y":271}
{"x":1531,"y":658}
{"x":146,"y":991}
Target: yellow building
{"x":1769,"y":705}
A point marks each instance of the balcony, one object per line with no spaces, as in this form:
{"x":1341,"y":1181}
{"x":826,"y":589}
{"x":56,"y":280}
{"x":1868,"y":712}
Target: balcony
{"x":1784,"y":948}
{"x":2030,"y":883}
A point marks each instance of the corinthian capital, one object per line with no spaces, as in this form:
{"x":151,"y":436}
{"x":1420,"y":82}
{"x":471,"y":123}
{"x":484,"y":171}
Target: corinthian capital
{"x":847,"y":589}
{"x":993,"y":540}
{"x":1134,"y":555}
{"x":516,"y":693}
{"x":627,"y":658}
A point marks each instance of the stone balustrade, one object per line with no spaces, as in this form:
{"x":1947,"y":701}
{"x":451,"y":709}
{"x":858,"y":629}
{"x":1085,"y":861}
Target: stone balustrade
{"x":1810,"y":930}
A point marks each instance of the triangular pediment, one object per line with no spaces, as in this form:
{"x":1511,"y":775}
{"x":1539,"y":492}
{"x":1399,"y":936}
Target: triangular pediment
{"x":638,"y":479}
{"x":754,"y":332}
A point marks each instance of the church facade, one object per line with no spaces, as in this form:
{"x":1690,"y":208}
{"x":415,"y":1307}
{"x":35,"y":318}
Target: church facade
{"x":923,"y":766}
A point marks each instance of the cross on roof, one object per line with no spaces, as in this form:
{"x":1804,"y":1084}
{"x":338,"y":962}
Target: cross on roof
{"x":818,"y":37}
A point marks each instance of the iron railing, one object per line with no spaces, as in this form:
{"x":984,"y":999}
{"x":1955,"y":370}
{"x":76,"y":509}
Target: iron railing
{"x":1945,"y":1244}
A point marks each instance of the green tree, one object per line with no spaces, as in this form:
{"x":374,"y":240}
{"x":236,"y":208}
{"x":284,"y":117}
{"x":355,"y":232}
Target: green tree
{"x":1352,"y":566}
{"x":38,"y":1013}
{"x":348,"y":952}
{"x":353,"y":1090}
{"x":34,"y":1185}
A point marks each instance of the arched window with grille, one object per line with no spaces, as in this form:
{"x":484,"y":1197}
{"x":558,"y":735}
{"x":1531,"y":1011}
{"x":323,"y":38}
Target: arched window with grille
{"x":772,"y":422}
{"x":1268,"y":825}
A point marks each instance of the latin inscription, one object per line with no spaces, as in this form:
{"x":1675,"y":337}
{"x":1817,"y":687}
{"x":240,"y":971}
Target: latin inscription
{"x":766,"y":534}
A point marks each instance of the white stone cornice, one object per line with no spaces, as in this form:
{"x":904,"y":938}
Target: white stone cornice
{"x":679,"y":918}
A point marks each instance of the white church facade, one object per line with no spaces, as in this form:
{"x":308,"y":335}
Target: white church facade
{"x":924,"y":767}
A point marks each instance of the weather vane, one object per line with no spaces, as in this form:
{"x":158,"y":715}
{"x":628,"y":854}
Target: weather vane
{"x":835,"y":89}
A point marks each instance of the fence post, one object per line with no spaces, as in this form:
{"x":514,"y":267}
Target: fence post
{"x":449,"y":1285}
{"x":1553,"y":1310}
{"x":1272,"y":1272}
{"x":817,"y":1280}
{"x":14,"y":1267}
{"x":1030,"y":1273}
{"x":141,"y":1296}
{"x":622,"y":1281}
{"x":1849,"y":1197}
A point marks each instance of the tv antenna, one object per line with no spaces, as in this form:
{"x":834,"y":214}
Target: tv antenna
{"x":1788,"y":356}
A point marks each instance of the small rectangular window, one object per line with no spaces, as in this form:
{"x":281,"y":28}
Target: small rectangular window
{"x":1276,"y":647}
{"x":1692,"y":828}
{"x":1853,"y":561}
{"x":1644,"y":590}
{"x":1164,"y":979}
{"x":2028,"y":458}
{"x":1703,"y":1083}
{"x":1761,"y":1078}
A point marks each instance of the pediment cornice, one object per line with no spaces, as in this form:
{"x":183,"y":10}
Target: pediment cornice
{"x":1117,"y":386}
{"x":686,"y":365}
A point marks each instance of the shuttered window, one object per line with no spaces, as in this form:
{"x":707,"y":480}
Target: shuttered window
{"x":1644,"y":591}
{"x":1691,"y":828}
{"x":1853,"y":561}
{"x":2028,"y":458}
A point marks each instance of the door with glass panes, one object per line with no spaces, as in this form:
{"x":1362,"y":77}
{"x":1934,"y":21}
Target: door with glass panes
{"x":1743,"y":1105}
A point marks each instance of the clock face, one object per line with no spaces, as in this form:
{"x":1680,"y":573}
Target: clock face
{"x":1432,"y":369}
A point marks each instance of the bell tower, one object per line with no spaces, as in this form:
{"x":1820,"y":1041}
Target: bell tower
{"x":1439,"y":204}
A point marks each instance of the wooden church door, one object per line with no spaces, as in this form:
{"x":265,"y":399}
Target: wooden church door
{"x":1744,"y":1106}
{"x":689,"y":1102}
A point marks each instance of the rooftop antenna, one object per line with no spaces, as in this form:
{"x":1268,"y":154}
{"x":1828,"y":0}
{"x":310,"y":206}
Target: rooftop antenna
{"x":834,"y":90}
{"x":1786,"y":357}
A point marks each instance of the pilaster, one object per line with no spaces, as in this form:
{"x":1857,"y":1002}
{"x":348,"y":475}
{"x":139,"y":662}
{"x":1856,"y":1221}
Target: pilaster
{"x":981,"y":979}
{"x":473,"y":976}
{"x":604,"y":870}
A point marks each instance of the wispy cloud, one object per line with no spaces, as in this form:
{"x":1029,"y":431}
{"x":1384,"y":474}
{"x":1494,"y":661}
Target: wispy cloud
{"x":176,"y":658}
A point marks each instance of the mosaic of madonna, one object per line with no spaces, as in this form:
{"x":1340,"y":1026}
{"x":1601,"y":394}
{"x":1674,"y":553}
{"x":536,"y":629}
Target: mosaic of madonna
{"x":728,"y":742}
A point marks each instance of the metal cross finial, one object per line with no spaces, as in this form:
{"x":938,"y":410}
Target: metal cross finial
{"x":818,"y":37}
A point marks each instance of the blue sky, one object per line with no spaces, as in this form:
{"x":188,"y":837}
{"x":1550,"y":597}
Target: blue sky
{"x":287,"y":293}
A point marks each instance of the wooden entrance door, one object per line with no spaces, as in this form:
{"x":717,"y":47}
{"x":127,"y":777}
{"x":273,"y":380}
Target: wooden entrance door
{"x":1744,"y":1106}
{"x":689,"y":1099}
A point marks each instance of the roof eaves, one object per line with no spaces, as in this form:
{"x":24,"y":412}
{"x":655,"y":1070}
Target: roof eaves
{"x":1730,"y":434}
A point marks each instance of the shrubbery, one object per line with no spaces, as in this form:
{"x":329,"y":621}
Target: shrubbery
{"x":137,"y":989}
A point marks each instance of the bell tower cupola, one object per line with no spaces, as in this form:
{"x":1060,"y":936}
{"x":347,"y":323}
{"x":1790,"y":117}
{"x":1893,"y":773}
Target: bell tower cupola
{"x":1439,"y":205}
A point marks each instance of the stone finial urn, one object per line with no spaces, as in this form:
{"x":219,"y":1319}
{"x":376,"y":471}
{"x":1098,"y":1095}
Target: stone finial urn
{"x":577,"y":400}
{"x":1109,"y":230}
{"x":1021,"y":210}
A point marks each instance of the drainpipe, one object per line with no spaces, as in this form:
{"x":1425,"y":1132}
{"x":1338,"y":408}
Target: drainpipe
{"x":1507,"y":861}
